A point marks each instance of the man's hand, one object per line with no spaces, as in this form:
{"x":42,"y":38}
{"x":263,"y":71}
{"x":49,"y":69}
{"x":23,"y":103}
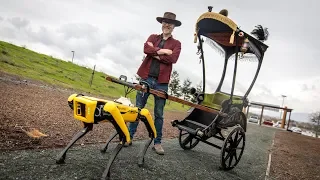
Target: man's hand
{"x":165,"y":51}
{"x":157,"y":57}
{"x":150,"y":44}
{"x":161,"y":51}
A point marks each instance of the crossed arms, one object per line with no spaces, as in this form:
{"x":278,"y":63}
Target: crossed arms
{"x":166,"y":56}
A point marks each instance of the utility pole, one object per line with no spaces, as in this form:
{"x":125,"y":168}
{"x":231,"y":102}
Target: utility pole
{"x":283,"y":96}
{"x":72,"y":55}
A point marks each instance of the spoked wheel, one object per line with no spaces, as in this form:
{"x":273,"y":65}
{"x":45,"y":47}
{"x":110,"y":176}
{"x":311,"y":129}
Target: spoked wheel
{"x":187,"y":140}
{"x":232,"y":148}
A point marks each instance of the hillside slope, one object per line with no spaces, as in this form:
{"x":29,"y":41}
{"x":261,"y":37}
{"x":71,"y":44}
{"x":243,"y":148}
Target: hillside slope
{"x":23,"y":62}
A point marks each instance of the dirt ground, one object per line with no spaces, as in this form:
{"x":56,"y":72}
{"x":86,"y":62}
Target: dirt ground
{"x":27,"y":104}
{"x":295,"y":156}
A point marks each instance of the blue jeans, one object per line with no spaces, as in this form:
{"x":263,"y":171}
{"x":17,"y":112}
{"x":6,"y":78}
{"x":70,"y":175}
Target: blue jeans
{"x":159,"y":103}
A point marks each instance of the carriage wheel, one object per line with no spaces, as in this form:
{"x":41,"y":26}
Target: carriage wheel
{"x":187,"y":140}
{"x":232,"y":149}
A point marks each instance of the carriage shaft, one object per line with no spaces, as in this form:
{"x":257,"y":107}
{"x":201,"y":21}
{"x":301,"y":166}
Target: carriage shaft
{"x":209,"y":143}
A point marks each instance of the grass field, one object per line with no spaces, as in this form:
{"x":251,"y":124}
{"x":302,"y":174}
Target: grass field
{"x":26,"y":63}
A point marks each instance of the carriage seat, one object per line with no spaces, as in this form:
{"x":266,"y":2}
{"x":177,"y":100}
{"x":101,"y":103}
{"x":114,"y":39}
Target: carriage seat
{"x":218,"y":99}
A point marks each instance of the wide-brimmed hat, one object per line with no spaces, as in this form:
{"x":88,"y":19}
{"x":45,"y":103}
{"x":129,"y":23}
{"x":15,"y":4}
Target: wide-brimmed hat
{"x":170,"y":17}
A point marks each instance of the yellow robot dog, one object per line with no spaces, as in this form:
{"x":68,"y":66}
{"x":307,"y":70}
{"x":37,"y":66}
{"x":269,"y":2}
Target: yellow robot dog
{"x":90,"y":110}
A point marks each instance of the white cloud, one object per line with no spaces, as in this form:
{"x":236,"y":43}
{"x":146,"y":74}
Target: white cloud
{"x":110,"y":35}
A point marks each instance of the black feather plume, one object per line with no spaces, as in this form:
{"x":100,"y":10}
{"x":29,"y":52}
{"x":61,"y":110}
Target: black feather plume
{"x":260,"y":33}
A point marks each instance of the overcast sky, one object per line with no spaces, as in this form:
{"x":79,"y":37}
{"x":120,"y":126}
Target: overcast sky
{"x":111,"y":34}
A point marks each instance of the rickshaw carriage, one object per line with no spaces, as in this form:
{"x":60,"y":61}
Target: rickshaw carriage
{"x":200,"y":125}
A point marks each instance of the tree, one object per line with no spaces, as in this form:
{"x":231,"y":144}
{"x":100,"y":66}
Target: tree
{"x":315,"y":118}
{"x":185,"y":89}
{"x":174,"y":85}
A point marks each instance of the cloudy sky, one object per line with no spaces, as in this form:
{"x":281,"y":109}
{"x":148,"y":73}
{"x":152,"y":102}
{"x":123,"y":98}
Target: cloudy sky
{"x":111,"y":34}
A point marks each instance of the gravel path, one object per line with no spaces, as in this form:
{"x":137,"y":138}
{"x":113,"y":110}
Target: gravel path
{"x":86,"y":162}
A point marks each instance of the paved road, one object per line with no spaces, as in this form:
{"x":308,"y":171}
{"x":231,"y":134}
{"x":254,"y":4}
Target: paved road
{"x":86,"y":162}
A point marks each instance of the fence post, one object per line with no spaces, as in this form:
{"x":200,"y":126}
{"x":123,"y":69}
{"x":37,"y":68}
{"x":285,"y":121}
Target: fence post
{"x":92,"y":75}
{"x":261,"y":115}
{"x":284,"y":117}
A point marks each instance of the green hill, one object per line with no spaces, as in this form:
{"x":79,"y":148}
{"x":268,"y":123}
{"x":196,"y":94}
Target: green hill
{"x":26,"y":63}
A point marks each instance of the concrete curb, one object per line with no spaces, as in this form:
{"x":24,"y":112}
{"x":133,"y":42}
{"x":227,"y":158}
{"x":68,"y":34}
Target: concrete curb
{"x":269,"y":163}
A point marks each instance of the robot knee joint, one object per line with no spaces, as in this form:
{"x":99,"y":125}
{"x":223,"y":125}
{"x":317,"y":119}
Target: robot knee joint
{"x":144,"y":112}
{"x":109,"y":107}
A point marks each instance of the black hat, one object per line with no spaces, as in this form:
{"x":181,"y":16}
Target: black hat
{"x":170,"y":17}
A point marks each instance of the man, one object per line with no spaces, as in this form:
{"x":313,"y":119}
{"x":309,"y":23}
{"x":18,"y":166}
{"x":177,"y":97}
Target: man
{"x":162,"y":52}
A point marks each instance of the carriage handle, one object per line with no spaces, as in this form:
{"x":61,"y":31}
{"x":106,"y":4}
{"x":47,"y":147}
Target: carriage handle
{"x":163,"y":94}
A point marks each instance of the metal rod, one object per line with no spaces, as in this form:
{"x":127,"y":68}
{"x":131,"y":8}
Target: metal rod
{"x":261,"y":115}
{"x":235,"y":68}
{"x":289,"y":121}
{"x":223,"y":74}
{"x":221,"y":138}
{"x":247,"y":115}
{"x":209,"y":143}
{"x":255,"y":77}
{"x":203,"y":65}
